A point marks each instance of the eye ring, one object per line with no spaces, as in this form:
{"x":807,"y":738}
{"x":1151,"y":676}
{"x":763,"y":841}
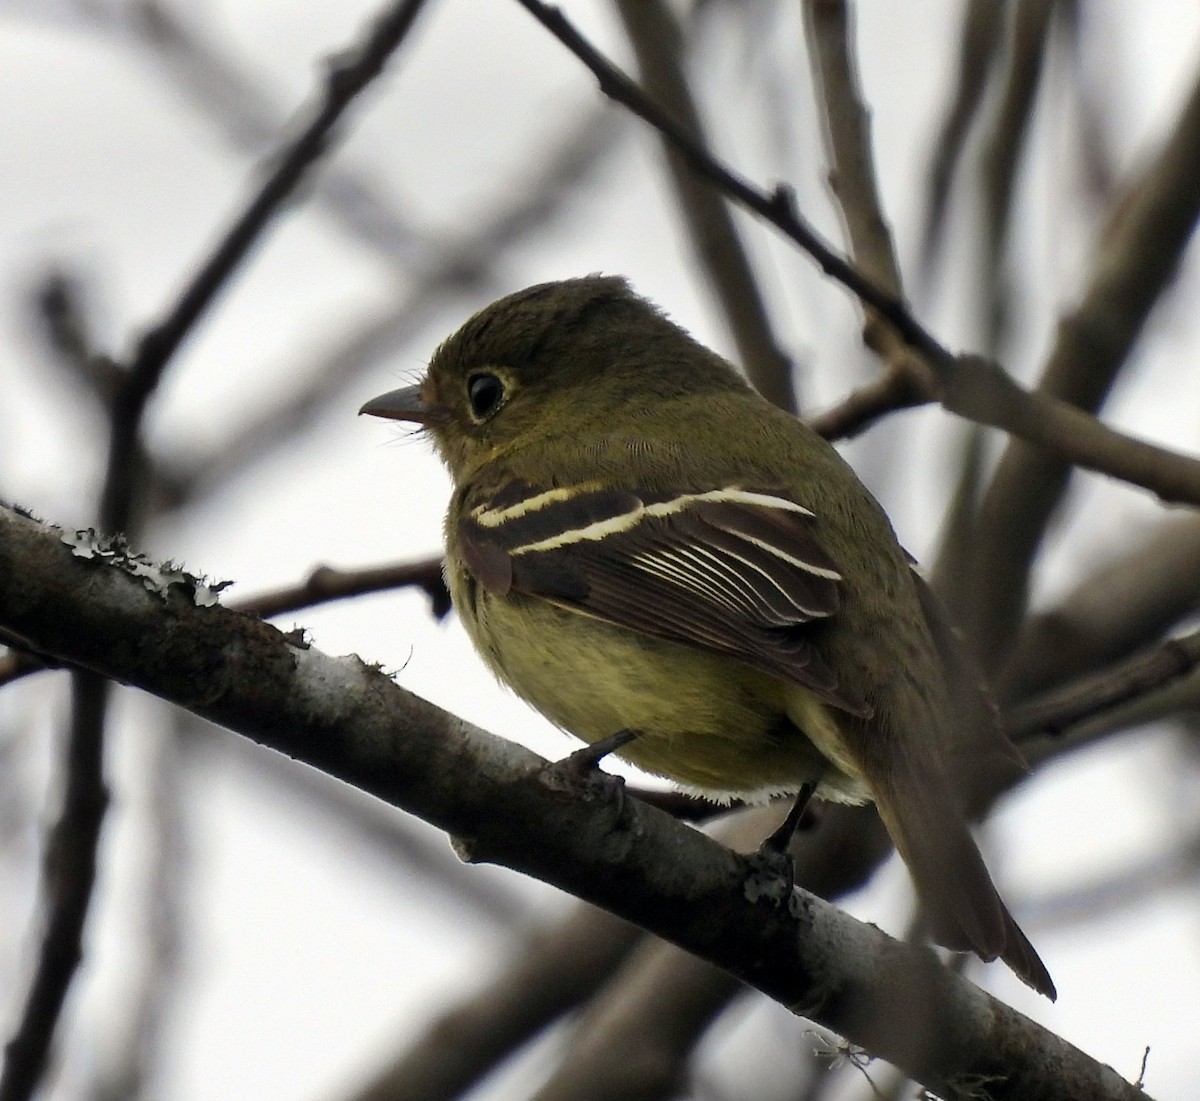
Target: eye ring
{"x":485,"y":392}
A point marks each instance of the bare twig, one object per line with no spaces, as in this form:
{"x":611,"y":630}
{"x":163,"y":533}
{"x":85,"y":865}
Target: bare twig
{"x":1114,"y":610}
{"x":969,"y":386}
{"x":560,"y":969}
{"x":345,"y":80}
{"x":1137,"y":258}
{"x":638,"y":1032}
{"x":1107,"y":690}
{"x":852,"y":180}
{"x":70,"y":872}
{"x":847,"y":126}
{"x":325,"y":583}
{"x":979,"y":46}
{"x":1003,"y":148}
{"x":656,"y":40}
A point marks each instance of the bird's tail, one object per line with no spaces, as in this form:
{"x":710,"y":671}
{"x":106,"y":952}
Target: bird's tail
{"x":961,"y":904}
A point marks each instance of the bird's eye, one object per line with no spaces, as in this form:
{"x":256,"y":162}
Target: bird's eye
{"x":485,"y":393}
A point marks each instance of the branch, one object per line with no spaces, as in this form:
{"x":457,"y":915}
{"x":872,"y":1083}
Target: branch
{"x":503,"y":805}
{"x":69,"y":875}
{"x":1115,"y":610}
{"x":1059,"y":711}
{"x":1139,"y":253}
{"x":964,"y":385}
{"x":345,"y":79}
{"x":980,"y":39}
{"x":654,"y":34}
{"x":562,"y":969}
{"x":325,"y":583}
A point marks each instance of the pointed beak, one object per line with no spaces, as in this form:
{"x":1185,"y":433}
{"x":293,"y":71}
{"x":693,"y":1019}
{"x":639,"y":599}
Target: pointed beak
{"x":405,"y":404}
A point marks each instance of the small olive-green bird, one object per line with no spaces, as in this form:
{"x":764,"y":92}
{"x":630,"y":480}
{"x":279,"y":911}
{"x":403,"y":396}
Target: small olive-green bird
{"x":639,"y":543}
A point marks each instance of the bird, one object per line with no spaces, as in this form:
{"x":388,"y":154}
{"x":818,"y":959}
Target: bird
{"x":667,"y":565}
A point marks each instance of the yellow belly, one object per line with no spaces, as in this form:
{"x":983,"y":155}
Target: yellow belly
{"x":711,"y":724}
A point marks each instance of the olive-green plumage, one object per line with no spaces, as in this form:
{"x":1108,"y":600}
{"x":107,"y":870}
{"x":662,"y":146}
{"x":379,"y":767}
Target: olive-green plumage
{"x":626,"y":507}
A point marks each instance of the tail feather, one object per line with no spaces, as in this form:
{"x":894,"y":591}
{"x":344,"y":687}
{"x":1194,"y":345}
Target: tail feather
{"x":963,"y":908}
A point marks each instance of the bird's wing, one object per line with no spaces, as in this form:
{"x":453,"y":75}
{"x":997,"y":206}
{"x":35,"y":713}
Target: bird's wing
{"x":734,"y":571}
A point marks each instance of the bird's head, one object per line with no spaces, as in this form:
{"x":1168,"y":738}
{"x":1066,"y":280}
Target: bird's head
{"x":572,"y":357}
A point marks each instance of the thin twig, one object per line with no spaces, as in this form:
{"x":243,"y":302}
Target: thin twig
{"x":325,"y":583}
{"x":562,"y":968}
{"x":847,"y":127}
{"x":979,"y":46}
{"x":1000,"y":159}
{"x":1113,"y":611}
{"x":969,"y":386}
{"x":71,"y":860}
{"x":657,"y":42}
{"x":345,"y":79}
{"x":1107,"y":690}
{"x":69,"y":875}
{"x":1138,"y":256}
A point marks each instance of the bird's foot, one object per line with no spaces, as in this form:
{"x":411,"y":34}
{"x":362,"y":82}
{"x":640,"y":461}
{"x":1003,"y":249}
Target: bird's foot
{"x":581,"y":769}
{"x":772,"y":869}
{"x":584,"y":762}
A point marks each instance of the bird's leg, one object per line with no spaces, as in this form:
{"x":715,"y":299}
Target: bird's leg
{"x":779,"y":841}
{"x":584,"y":761}
{"x":773,"y":872}
{"x":582,"y":766}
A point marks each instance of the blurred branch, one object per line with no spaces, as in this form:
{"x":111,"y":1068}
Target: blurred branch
{"x":503,"y":805}
{"x":345,"y":79}
{"x":1059,"y":711}
{"x":201,"y":69}
{"x":895,"y":388}
{"x":61,"y":305}
{"x":560,"y":969}
{"x":71,"y":857}
{"x":392,"y":846}
{"x":1137,"y":258}
{"x":979,"y":45}
{"x":636,"y":1036}
{"x":17,"y":664}
{"x":138,"y":1022}
{"x":967,"y":385}
{"x":852,"y":179}
{"x":656,"y":40}
{"x":469,"y":265}
{"x":1114,"y":610}
{"x":1000,"y":158}
{"x":847,"y":127}
{"x":68,"y":878}
{"x":1124,"y":888}
{"x":325,"y":583}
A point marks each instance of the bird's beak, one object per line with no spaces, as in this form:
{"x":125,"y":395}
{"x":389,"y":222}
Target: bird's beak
{"x":405,"y":404}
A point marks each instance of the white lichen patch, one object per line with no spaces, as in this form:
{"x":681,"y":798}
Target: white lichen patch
{"x":158,"y":577}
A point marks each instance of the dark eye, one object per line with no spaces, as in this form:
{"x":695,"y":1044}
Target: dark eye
{"x":484,"y":393}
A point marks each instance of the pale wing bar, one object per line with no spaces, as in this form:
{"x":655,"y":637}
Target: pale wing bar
{"x":731,"y":570}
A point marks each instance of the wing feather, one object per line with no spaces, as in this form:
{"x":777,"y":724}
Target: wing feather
{"x":733,"y":571}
